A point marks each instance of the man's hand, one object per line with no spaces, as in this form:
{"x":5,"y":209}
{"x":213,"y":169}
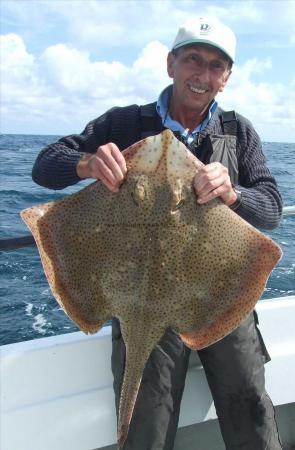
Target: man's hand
{"x":213,"y":181}
{"x":107,"y":165}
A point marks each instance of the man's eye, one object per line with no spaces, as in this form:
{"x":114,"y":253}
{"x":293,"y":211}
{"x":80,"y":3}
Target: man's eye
{"x":192,"y":58}
{"x":217,"y":66}
{"x":195,"y":58}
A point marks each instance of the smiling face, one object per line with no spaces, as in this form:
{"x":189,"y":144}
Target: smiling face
{"x":199,"y":72}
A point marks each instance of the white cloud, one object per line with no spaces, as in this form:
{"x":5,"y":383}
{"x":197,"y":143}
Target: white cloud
{"x":20,"y":86}
{"x":269,"y":106}
{"x":13,"y":49}
{"x":60,"y":91}
{"x":71,"y":71}
{"x":64,"y":88}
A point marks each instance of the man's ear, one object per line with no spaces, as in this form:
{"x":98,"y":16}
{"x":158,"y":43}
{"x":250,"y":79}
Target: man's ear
{"x":225,"y":80}
{"x":170,"y":64}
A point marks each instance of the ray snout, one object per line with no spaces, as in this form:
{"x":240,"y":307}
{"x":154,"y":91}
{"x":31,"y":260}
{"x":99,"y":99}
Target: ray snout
{"x":162,"y":156}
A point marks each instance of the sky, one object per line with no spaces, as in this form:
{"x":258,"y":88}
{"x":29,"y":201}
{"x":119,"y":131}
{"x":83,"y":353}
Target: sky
{"x":65,"y":62}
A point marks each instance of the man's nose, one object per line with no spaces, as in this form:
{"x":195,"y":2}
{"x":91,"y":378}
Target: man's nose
{"x":203,"y":72}
{"x":201,"y":68}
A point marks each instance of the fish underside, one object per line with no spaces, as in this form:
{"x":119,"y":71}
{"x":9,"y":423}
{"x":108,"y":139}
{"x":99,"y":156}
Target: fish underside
{"x":152,"y":257}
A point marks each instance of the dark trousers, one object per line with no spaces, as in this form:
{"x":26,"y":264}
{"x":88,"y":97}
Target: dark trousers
{"x":234,"y":369}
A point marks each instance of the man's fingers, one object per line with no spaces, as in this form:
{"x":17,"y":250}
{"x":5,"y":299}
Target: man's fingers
{"x":210,"y":185}
{"x":111,"y":187}
{"x":99,"y":170}
{"x":119,"y":159}
{"x":107,"y":165}
{"x":111,"y":161}
{"x":208,"y":174}
{"x":213,"y":181}
{"x":211,"y":194}
{"x":108,"y":174}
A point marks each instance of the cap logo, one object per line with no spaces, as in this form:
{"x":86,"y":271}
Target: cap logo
{"x":204,"y":28}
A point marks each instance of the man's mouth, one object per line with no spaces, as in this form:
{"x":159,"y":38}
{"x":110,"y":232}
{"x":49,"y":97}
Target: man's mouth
{"x":197,"y":89}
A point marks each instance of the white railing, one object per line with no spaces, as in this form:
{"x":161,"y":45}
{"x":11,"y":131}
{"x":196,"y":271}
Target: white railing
{"x":289,"y":210}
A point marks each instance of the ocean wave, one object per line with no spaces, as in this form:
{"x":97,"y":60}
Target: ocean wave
{"x":40,"y":324}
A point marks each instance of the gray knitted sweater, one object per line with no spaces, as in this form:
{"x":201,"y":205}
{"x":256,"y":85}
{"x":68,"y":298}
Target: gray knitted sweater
{"x":261,"y":205}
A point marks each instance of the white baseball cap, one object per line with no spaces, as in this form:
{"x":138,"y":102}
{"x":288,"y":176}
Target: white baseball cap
{"x":207,"y":30}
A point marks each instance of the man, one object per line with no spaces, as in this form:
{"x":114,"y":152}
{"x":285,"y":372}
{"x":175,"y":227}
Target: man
{"x":200,"y":65}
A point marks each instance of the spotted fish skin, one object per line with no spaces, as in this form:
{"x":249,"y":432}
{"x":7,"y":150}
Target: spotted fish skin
{"x":152,"y":257}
